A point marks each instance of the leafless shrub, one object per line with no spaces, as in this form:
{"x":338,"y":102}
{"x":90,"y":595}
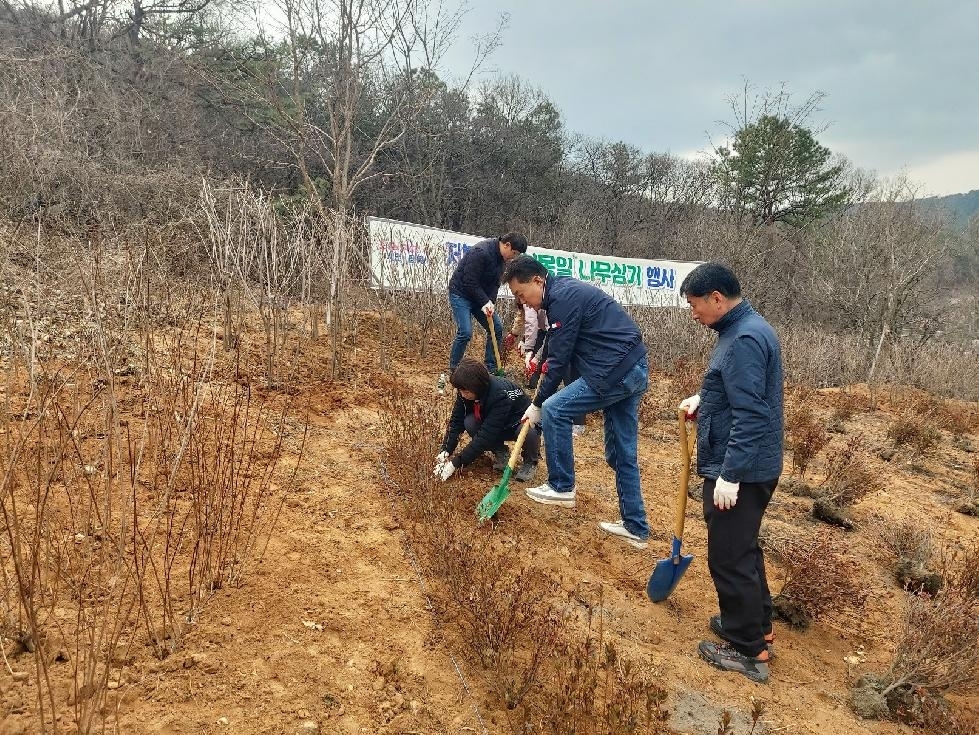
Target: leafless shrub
{"x":936,"y":648}
{"x":907,"y":552}
{"x":846,"y":404}
{"x":914,"y":432}
{"x":850,"y":476}
{"x":596,"y":690}
{"x":906,"y":540}
{"x":129,"y":495}
{"x":820,"y":578}
{"x":934,"y":656}
{"x":806,"y":435}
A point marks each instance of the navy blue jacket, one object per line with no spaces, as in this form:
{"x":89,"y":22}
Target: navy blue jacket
{"x":590,"y":334}
{"x":501,"y":408}
{"x":477,"y":277}
{"x":739,"y":423}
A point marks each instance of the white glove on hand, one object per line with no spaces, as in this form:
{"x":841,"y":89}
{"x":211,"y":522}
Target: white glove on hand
{"x":488,"y":308}
{"x":532,"y":414}
{"x":690,"y":405}
{"x":527,"y":359}
{"x":447,"y":469}
{"x":725,"y":494}
{"x":440,"y":460}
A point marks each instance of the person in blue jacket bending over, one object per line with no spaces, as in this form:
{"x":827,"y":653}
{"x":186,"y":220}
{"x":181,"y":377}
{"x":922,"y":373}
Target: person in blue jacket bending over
{"x":591,"y":334}
{"x":472,"y":294}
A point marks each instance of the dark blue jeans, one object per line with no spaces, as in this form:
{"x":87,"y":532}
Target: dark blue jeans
{"x":464,"y":311}
{"x":621,"y":409}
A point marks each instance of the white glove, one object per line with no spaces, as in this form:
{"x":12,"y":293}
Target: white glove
{"x":532,"y":414}
{"x":528,"y":358}
{"x":690,"y":405}
{"x":447,"y":469}
{"x":488,"y":308}
{"x":725,"y":494}
{"x":440,"y":461}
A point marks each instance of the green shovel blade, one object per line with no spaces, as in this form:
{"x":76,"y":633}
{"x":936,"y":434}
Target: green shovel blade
{"x":497,"y":495}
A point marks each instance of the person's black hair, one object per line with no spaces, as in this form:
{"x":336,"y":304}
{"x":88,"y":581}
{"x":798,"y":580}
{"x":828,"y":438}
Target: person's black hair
{"x":470,"y":374}
{"x":523,"y":268}
{"x":709,"y":277}
{"x":516,"y":241}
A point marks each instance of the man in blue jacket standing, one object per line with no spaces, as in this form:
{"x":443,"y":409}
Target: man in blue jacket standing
{"x":472,"y":293}
{"x":592,"y":334}
{"x":739,"y":455}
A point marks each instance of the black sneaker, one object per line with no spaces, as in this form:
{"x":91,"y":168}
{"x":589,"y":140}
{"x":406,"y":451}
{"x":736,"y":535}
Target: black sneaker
{"x":718,"y":629}
{"x":500,"y":459}
{"x":526,"y":471}
{"x":727,"y":658}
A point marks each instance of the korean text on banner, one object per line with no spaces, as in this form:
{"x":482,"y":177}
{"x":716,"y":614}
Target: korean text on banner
{"x":408,"y":257}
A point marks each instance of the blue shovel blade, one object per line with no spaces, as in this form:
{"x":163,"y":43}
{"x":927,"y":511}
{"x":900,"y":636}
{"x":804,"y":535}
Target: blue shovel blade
{"x":667,"y":573}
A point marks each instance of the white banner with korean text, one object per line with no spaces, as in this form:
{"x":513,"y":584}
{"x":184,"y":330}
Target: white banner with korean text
{"x":408,"y":257}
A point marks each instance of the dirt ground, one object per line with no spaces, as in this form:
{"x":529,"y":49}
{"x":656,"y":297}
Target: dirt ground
{"x":333,"y":632}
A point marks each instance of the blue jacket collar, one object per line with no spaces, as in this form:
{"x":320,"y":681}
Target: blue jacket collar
{"x":733,"y":316}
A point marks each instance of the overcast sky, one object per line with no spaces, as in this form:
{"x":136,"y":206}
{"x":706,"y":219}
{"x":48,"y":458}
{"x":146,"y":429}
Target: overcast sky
{"x":898,"y":75}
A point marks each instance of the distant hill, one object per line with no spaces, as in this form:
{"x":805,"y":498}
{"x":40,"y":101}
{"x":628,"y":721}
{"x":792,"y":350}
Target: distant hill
{"x":963,"y":207}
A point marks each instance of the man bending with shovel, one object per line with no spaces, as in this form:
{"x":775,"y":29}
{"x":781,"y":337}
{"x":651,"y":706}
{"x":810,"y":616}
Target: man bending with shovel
{"x":739,"y":455}
{"x":592,"y":334}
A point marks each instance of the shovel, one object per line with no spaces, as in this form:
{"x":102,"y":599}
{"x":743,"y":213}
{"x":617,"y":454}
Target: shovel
{"x":491,"y":323}
{"x":668,"y":571}
{"x":492,"y":501}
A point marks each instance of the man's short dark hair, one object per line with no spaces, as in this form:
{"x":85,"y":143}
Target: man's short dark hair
{"x":470,"y":374}
{"x":523,"y":268}
{"x":709,"y":277}
{"x":517,"y":241}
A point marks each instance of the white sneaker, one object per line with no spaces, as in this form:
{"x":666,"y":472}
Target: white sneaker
{"x":617,"y":528}
{"x":577,"y":430}
{"x":549,"y":496}
{"x":440,"y":385}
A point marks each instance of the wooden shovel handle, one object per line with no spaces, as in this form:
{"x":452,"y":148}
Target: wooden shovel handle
{"x":491,"y":324}
{"x":686,"y":450}
{"x":522,"y":436}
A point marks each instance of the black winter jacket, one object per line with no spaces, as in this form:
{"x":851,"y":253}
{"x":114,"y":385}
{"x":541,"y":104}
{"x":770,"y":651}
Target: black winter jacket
{"x":500,"y":408}
{"x":739,"y":422}
{"x":477,"y":277}
{"x":589,"y":335}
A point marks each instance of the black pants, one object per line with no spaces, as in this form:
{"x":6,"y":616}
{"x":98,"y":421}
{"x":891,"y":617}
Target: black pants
{"x":737,"y":564}
{"x":531,"y":445}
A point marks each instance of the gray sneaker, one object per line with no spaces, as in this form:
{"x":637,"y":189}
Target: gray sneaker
{"x":727,"y":658}
{"x":526,"y":471}
{"x":717,"y":626}
{"x":500,"y":459}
